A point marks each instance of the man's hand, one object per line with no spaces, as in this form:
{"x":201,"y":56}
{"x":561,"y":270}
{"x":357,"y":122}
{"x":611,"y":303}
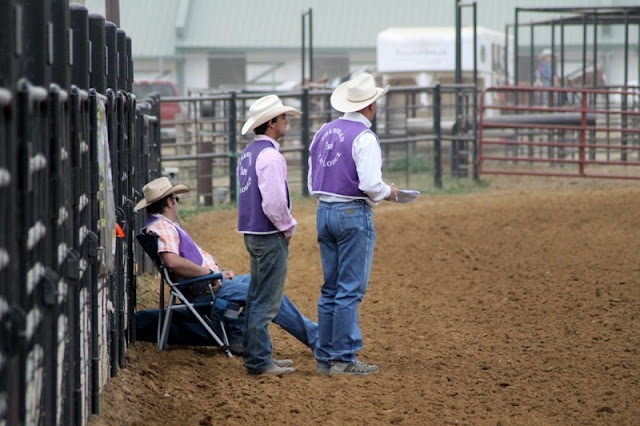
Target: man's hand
{"x":393,"y":195}
{"x":228,"y":274}
{"x":215,"y":285}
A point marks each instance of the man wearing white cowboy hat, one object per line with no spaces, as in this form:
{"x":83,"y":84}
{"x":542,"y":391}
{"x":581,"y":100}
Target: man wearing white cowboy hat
{"x":264,"y":217}
{"x":544,"y":73}
{"x":186,"y":259}
{"x":345,"y":175}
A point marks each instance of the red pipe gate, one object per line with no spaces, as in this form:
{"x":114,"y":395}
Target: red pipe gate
{"x":577,"y":132}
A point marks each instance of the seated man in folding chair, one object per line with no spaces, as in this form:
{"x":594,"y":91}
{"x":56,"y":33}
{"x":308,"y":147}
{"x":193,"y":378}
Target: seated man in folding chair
{"x":186,"y":259}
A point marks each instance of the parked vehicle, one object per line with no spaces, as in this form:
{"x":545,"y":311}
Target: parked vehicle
{"x":170,"y":112}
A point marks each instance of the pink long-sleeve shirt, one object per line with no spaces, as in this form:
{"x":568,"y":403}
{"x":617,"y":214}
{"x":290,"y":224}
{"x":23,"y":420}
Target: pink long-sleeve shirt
{"x":271,"y":169}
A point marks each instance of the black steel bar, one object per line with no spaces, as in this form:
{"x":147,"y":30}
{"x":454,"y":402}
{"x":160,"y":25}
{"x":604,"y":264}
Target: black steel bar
{"x":310,"y":45}
{"x":80,"y":46}
{"x":111,"y":49}
{"x":121,"y":57}
{"x":475,"y":93}
{"x":36,"y":57}
{"x":97,"y":70}
{"x":131,"y":229}
{"x":532,"y":57}
{"x":10,"y":12}
{"x":437,"y":144}
{"x":129,"y":53}
{"x":455,"y":146}
{"x":126,"y":208}
{"x":626,"y":51}
{"x":14,"y":318}
{"x":60,"y":43}
{"x":11,"y":312}
{"x":506,"y":54}
{"x":553,"y":57}
{"x":111,"y":57}
{"x":303,"y":50}
{"x":233,"y":147}
{"x":562,"y":49}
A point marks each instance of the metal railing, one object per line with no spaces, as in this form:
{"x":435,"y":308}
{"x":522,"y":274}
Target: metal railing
{"x":578,"y":132}
{"x":200,"y":147}
{"x":75,"y":146}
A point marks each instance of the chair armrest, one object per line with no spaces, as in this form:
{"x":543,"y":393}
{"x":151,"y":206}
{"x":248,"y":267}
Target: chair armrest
{"x":202,"y":278}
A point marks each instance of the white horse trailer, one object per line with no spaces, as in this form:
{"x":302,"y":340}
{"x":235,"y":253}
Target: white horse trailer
{"x":425,"y":56}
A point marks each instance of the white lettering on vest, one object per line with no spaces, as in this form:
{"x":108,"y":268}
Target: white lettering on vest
{"x":328,"y":146}
{"x":245,"y":188}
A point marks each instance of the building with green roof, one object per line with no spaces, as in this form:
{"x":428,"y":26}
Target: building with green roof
{"x":257,"y":45}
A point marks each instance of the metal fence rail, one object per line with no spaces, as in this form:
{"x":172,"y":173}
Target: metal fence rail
{"x":200,"y":147}
{"x":579,"y":132}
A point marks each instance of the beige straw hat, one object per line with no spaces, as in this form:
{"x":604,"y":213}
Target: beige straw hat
{"x":357,"y":93}
{"x":158,"y":189}
{"x":264,"y":109}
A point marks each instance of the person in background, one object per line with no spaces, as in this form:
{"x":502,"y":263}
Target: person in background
{"x":264,"y":217}
{"x":544,"y":74}
{"x":345,"y":175}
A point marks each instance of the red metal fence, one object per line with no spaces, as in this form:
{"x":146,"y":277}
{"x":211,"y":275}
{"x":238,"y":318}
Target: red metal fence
{"x":577,"y":132}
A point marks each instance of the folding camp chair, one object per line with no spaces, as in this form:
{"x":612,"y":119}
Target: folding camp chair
{"x":176,"y":291}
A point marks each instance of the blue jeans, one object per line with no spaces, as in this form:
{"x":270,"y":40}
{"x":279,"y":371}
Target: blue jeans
{"x":269,"y":260}
{"x":289,"y":316}
{"x":346,"y":237}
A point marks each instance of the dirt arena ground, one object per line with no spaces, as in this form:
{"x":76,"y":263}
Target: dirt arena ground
{"x":517,"y":305}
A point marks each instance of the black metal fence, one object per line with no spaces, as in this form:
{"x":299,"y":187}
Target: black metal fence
{"x":426,"y":133}
{"x":75,"y":145}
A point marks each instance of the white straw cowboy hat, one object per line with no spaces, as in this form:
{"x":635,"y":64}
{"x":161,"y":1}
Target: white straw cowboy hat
{"x":264,"y":109}
{"x":545,"y":52}
{"x":157,"y":190}
{"x":355,"y":94}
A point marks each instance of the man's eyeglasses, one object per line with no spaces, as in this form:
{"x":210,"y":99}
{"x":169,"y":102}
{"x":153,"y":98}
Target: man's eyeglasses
{"x":176,"y":199}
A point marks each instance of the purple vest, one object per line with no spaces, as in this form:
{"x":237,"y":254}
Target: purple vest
{"x":187,"y":247}
{"x":251,"y":217}
{"x":333,"y":170}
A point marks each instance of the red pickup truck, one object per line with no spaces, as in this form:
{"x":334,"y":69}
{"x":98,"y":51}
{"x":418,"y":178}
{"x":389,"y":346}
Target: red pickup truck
{"x":170,"y":112}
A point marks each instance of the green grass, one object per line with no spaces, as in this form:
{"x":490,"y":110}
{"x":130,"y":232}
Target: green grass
{"x":413,"y":164}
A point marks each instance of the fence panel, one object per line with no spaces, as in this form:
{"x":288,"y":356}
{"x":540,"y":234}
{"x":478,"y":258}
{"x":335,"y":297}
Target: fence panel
{"x":201,"y":147}
{"x":12,"y":317}
{"x":60,"y":336}
{"x":37,"y":257}
{"x":576,"y":132}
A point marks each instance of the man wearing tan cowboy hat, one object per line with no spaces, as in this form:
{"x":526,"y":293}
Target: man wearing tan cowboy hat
{"x":345,"y":175}
{"x":264,"y":217}
{"x":186,"y":259}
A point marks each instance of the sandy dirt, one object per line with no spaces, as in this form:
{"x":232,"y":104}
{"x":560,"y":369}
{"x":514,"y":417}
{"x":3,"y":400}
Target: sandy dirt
{"x":519,"y":305}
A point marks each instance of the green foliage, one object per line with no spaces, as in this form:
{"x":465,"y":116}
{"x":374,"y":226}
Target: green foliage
{"x":412,"y":163}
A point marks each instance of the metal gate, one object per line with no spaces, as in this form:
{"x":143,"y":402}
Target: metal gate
{"x":576,"y":132}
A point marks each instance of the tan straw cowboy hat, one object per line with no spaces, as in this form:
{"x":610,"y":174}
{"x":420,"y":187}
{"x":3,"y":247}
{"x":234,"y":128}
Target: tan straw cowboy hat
{"x":264,"y":109}
{"x":357,"y":93}
{"x":157,"y":190}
